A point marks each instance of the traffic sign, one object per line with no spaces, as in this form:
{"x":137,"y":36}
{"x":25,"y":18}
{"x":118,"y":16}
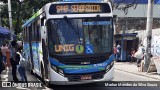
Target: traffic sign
{"x":89,"y":49}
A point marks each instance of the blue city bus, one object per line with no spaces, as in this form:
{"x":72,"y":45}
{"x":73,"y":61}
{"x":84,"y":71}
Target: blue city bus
{"x":71,"y":42}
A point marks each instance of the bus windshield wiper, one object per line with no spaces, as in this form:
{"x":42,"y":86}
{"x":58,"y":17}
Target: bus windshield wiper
{"x":97,"y":17}
{"x":73,"y":27}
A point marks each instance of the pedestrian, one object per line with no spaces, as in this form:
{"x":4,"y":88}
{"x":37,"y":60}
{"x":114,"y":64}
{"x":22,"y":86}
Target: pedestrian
{"x":13,"y":60}
{"x":4,"y":49}
{"x":141,"y":51}
{"x":2,"y":66}
{"x":132,"y":55}
{"x":21,"y":66}
{"x":8,"y":56}
{"x":118,"y":52}
{"x":115,"y":52}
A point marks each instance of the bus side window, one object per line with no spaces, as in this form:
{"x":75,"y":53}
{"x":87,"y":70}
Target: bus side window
{"x":35,"y":31}
{"x":24,"y":34}
{"x":38,"y":33}
{"x":38,"y":30}
{"x":28,"y":33}
{"x":32,"y":31}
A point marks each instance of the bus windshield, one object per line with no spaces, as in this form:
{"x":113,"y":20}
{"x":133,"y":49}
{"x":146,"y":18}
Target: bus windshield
{"x":80,"y":36}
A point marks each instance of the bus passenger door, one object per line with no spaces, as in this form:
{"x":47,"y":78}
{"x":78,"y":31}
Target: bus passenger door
{"x":44,"y":49}
{"x":45,"y":58}
{"x":30,"y":47}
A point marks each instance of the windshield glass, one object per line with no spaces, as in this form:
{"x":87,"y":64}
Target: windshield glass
{"x":80,"y":36}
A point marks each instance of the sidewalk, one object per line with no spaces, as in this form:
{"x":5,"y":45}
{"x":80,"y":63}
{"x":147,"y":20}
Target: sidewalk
{"x":6,"y":76}
{"x":132,"y":68}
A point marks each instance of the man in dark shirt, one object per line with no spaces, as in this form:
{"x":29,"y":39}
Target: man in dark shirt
{"x":13,"y":60}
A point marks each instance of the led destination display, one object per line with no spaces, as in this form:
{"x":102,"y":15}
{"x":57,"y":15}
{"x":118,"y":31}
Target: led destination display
{"x":79,"y":8}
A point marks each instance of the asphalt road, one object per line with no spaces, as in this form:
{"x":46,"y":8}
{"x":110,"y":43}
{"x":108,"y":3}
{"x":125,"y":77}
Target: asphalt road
{"x":119,"y":76}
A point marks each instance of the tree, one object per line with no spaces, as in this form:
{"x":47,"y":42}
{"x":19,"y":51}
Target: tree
{"x":21,"y":12}
{"x":124,"y":5}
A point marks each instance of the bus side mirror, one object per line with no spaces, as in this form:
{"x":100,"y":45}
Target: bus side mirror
{"x":114,"y":16}
{"x":43,"y":32}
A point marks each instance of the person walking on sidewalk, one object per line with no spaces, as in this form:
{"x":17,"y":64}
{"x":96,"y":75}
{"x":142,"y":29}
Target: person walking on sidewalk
{"x":115,"y":52}
{"x":13,"y":61}
{"x":139,"y":55}
{"x":21,"y":66}
{"x":4,"y":49}
{"x":8,"y":56}
{"x":118,"y":52}
{"x":2,"y":66}
{"x":132,"y":55}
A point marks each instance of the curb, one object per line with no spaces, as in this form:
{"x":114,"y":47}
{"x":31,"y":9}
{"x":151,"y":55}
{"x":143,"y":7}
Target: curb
{"x":137,"y":74}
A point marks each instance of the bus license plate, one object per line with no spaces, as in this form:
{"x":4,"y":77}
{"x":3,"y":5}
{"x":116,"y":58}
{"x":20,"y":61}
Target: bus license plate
{"x":87,"y":77}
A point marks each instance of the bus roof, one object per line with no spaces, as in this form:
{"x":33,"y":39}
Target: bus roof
{"x":32,"y":18}
{"x":67,"y":1}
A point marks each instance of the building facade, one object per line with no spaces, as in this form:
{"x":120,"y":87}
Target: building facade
{"x":127,"y":26}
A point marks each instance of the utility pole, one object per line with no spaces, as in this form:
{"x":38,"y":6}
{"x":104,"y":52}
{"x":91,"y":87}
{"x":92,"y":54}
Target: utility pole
{"x":10,"y":18}
{"x":1,"y":4}
{"x":123,"y":57}
{"x":149,"y":34}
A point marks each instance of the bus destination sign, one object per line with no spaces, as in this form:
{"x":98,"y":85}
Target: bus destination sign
{"x":79,"y":8}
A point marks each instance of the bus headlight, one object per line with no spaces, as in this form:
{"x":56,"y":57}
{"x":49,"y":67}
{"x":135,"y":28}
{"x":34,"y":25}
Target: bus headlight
{"x":61,"y":72}
{"x":108,"y":67}
{"x":112,"y":63}
{"x":54,"y":68}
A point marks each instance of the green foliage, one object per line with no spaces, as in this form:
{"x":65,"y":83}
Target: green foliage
{"x":21,"y":12}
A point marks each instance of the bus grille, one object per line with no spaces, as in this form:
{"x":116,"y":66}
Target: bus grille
{"x":77,"y":77}
{"x":83,"y":61}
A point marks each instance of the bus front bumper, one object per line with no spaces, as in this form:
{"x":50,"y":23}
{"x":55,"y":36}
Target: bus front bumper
{"x":58,"y":79}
